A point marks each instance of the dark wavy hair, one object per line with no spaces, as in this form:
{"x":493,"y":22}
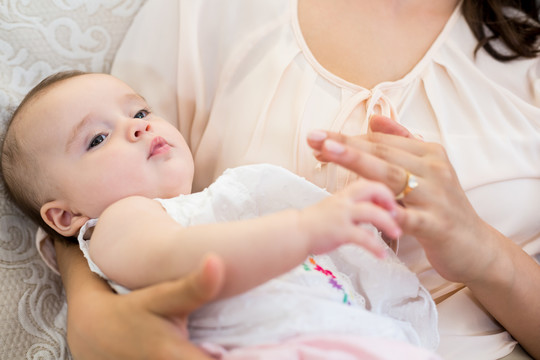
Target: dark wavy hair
{"x":494,"y":21}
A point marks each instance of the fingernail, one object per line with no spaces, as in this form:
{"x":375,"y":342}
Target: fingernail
{"x":316,"y":153}
{"x":317,"y":135}
{"x":334,"y":146}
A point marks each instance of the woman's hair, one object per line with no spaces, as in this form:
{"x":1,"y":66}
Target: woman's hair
{"x":19,"y":168}
{"x":512,"y":22}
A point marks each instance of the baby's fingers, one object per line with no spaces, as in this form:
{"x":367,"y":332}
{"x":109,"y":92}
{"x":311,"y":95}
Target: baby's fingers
{"x":368,"y":238}
{"x":383,"y":220}
{"x":374,"y":192}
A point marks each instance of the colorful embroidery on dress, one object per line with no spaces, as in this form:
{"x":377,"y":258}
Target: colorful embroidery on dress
{"x":331,"y":278}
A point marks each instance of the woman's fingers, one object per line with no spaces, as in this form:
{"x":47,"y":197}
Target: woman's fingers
{"x":144,"y":324}
{"x":389,"y":159}
{"x":171,"y":303}
{"x":371,"y":165}
{"x":385,"y":125}
{"x":181,"y":297}
{"x":409,"y":143}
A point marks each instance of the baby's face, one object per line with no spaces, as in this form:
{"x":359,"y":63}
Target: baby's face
{"x":98,"y":143}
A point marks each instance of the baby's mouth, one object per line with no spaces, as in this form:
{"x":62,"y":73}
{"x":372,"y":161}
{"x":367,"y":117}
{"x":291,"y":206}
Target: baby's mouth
{"x":158,"y":146}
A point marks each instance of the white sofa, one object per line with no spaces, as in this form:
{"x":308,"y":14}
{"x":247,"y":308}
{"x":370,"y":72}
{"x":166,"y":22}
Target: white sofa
{"x":37,"y":38}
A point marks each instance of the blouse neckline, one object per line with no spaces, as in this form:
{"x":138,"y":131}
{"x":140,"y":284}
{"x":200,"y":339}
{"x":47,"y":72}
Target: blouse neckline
{"x":411,"y":75}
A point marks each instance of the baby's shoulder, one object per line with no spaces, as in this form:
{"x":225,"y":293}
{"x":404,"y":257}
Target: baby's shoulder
{"x":128,"y":212}
{"x":131,"y":205}
{"x":129,"y":218}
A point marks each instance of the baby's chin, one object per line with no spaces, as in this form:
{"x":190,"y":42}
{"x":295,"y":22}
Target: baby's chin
{"x":176,"y":188}
{"x":185,"y":190}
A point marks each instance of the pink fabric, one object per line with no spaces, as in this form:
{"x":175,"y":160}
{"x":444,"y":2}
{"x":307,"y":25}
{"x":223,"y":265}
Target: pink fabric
{"x":324,"y":347}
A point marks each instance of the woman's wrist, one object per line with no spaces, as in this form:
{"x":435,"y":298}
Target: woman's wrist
{"x":494,"y":266}
{"x":506,"y":286}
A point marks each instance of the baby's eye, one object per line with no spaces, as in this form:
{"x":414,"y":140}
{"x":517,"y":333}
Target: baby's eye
{"x":98,"y":139}
{"x":141,"y":114}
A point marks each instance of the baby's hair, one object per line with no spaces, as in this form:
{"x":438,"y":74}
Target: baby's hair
{"x":19,"y":168}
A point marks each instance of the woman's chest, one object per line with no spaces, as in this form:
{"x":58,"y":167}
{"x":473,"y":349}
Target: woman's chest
{"x":367,"y":43}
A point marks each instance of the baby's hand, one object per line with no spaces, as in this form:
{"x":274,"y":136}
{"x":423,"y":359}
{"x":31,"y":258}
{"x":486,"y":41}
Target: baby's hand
{"x":337,"y":219}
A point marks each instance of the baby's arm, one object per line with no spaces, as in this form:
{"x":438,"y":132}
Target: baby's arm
{"x":136,"y":243}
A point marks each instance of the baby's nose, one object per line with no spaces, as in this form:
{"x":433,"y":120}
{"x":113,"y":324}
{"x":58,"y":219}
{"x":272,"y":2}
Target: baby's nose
{"x":139,"y":129}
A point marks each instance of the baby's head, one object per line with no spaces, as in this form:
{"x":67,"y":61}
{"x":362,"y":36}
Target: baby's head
{"x":78,"y":142}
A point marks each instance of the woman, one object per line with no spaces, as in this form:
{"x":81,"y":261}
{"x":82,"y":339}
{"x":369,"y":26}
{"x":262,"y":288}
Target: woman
{"x":249,"y":80}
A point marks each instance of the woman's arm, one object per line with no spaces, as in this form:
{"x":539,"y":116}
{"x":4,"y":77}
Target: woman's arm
{"x":145,"y":324}
{"x":458,"y":243}
{"x":136,"y":243}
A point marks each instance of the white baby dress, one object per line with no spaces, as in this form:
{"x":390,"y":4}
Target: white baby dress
{"x":348,"y":291}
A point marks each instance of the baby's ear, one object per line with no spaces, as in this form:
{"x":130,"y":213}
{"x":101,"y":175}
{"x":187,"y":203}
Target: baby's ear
{"x":59,"y":217}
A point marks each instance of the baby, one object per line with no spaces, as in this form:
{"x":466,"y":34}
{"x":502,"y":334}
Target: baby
{"x":86,"y":158}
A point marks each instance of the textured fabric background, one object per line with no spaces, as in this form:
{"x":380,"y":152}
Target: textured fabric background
{"x":38,"y":38}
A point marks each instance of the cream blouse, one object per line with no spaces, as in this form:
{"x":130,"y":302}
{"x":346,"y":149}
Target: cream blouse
{"x":242,"y":85}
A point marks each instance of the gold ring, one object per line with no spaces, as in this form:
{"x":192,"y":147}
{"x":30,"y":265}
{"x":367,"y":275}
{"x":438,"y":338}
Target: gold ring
{"x":410,"y":184}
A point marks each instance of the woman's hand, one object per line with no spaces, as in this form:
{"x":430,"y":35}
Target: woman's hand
{"x":146,"y":324}
{"x":437,"y":211}
{"x":459,"y":245}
